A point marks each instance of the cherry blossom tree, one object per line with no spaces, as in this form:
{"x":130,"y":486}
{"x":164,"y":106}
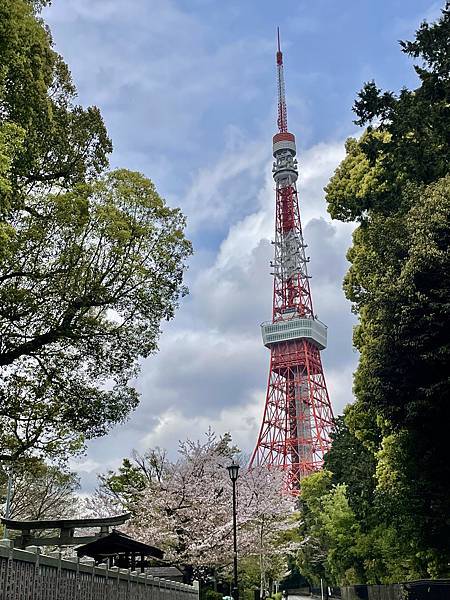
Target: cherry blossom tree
{"x":185,"y":508}
{"x":187,"y":512}
{"x":267,"y":515}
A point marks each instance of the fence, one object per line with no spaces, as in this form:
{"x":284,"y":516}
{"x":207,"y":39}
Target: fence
{"x":29,"y":575}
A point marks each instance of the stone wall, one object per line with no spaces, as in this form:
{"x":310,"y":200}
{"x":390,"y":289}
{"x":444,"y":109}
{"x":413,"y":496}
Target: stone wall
{"x":30,"y":575}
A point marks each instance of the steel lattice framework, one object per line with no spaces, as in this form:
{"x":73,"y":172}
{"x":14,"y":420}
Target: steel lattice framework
{"x":298,"y":418}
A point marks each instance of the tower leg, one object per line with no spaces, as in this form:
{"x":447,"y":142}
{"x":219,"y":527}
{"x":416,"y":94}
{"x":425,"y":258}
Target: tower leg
{"x":298,"y":419}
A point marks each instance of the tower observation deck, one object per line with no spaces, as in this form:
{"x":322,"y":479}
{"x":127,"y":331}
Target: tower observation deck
{"x":298,"y":418}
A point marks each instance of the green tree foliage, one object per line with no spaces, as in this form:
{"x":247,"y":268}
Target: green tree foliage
{"x":125,"y":486}
{"x":346,"y":539}
{"x":63,"y":142}
{"x":89,"y":275}
{"x":311,"y":557}
{"x":11,"y":141}
{"x":250,"y":576}
{"x":394,"y":181}
{"x":90,"y":261}
{"x":41,"y":491}
{"x":352,"y":464}
{"x":329,"y":532}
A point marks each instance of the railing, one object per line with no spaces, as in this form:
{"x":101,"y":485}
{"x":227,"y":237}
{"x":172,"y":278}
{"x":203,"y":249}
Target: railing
{"x":30,"y":575}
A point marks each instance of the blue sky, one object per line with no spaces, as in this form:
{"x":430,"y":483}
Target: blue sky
{"x":187,"y":89}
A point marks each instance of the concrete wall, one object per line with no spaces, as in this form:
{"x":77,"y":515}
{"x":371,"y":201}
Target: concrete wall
{"x":437,"y":589}
{"x":30,"y":575}
{"x":372,"y":592}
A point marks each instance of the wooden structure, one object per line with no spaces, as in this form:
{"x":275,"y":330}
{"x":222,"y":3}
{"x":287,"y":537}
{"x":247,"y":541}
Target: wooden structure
{"x":119,"y":550}
{"x":66,"y":528}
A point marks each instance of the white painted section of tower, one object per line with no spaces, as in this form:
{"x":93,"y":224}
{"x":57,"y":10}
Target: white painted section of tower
{"x":285,"y":171}
{"x":282,"y":145}
{"x":292,"y":256}
{"x":303,"y":413}
{"x":295,"y":329}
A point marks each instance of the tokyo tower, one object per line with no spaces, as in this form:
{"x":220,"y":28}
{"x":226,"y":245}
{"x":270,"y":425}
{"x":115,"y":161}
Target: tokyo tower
{"x":298,"y":418}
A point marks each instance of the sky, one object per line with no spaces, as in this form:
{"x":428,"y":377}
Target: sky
{"x":187,"y":89}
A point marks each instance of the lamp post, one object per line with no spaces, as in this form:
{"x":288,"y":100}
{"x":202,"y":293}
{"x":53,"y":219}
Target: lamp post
{"x":233,"y":471}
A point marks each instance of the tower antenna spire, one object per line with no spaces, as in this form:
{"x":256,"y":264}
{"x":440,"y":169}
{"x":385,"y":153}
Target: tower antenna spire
{"x":282,"y":110}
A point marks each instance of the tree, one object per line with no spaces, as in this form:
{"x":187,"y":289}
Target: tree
{"x":267,"y":520}
{"x":185,"y":507}
{"x":339,"y":547}
{"x":353,"y":465}
{"x":312,"y":554}
{"x":90,"y":261}
{"x":395,"y":182}
{"x":62,"y":142}
{"x":341,"y":531}
{"x":121,"y":490}
{"x":185,"y":512}
{"x":41,"y":491}
{"x":83,"y":289}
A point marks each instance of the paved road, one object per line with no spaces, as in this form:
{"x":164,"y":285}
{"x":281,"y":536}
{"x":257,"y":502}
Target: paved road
{"x":292,"y":597}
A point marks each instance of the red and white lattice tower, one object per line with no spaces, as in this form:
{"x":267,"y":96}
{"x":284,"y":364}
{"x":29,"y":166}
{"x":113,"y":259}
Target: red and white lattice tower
{"x":298,"y":418}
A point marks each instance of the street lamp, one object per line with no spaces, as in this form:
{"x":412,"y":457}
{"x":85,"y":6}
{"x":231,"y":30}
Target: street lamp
{"x":233,"y":472}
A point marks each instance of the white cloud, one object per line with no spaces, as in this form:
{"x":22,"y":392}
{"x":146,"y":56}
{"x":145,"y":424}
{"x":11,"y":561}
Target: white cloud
{"x":85,"y":465}
{"x":241,"y":421}
{"x":199,"y":371}
{"x":227,"y":188}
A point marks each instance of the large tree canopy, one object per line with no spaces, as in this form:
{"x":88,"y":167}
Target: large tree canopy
{"x":394,"y":181}
{"x":90,"y":261}
{"x":88,"y":276}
